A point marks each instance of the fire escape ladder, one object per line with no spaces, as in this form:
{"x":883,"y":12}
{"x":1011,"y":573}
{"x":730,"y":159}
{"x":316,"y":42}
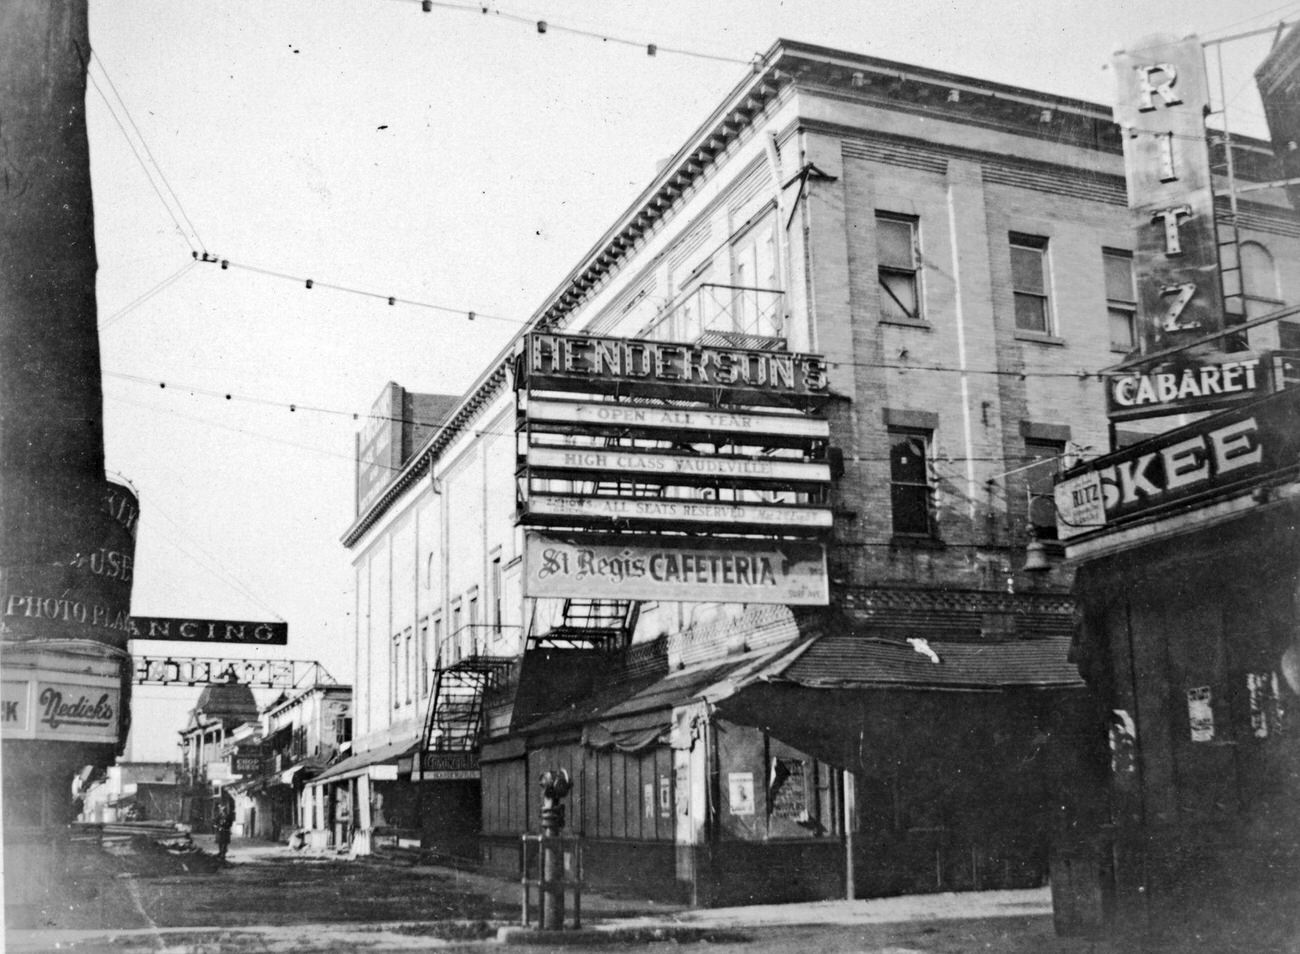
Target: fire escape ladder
{"x":591,"y":624}
{"x":454,"y":722}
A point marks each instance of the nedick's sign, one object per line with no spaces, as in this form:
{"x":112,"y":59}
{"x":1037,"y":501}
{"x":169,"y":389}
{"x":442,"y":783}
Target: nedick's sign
{"x":586,"y":364}
{"x":1226,"y":453}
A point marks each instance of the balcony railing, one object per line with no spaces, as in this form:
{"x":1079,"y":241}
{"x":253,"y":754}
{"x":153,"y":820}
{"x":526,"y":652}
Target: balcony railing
{"x":725,"y":315}
{"x":480,"y":639}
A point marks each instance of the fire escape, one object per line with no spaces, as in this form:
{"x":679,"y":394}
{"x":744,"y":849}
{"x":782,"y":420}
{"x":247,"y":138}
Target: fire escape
{"x":454,"y":723}
{"x":605,"y":625}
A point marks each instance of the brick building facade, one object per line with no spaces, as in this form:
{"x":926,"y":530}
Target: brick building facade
{"x":959,"y":253}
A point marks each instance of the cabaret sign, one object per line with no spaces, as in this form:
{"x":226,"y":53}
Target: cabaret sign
{"x":1176,"y":390}
{"x":590,"y":364}
{"x":209,"y":630}
{"x":658,"y":568}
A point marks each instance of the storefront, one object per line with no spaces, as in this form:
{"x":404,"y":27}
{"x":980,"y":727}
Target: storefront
{"x":1189,"y":584}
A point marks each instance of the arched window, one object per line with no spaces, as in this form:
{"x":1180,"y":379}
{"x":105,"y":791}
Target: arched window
{"x":1262,"y":293}
{"x":1259,"y":280}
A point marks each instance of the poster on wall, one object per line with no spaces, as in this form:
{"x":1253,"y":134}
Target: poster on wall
{"x":788,"y":789}
{"x":740,"y":793}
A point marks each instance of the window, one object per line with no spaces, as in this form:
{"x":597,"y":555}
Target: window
{"x":1260,"y":291}
{"x":454,"y":635}
{"x":394,"y":671}
{"x":408,"y":679}
{"x":897,"y":254}
{"x":422,"y":654}
{"x":1029,"y":283}
{"x":1121,"y":298}
{"x":438,"y":650}
{"x":754,"y":270}
{"x":1040,"y":480}
{"x":909,"y":481}
{"x":494,"y":592}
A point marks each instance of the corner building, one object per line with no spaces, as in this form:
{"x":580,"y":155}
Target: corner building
{"x":956,"y":254}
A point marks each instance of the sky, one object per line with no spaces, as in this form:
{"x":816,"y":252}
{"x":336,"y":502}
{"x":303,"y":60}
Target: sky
{"x":458,"y":160}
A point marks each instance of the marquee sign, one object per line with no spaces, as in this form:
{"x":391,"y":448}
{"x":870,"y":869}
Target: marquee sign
{"x":676,"y":467}
{"x":1162,"y":101}
{"x":1221,"y":454}
{"x":209,"y":630}
{"x":666,"y":511}
{"x":698,"y":422}
{"x":644,"y":567}
{"x":591,"y":365}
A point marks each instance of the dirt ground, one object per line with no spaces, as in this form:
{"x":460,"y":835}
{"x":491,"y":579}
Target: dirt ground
{"x":274,"y":901}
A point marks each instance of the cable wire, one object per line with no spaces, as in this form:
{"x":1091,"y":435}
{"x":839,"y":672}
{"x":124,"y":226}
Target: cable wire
{"x":145,"y":143}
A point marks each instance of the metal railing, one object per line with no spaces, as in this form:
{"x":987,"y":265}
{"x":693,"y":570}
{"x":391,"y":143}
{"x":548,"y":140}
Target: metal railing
{"x":725,"y":314}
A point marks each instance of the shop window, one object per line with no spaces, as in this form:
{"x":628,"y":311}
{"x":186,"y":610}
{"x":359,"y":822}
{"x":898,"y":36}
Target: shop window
{"x":910,"y":493}
{"x":1121,"y":299}
{"x":897,"y":265}
{"x":1030,"y":283}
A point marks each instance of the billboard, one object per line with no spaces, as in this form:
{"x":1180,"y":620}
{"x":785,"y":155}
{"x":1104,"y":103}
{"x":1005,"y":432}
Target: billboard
{"x":1163,"y":97}
{"x":647,"y":567}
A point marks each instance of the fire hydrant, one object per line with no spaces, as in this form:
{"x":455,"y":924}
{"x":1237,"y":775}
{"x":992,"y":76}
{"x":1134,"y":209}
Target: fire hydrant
{"x":555,"y":786}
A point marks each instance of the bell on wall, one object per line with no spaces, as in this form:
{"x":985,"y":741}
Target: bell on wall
{"x":1036,"y":557}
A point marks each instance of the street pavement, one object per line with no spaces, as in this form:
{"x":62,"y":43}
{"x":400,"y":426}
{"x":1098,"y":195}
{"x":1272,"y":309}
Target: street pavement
{"x":272,"y":899}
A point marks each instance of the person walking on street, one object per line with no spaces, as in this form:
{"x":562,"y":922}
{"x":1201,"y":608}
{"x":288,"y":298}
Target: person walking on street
{"x":224,"y":821}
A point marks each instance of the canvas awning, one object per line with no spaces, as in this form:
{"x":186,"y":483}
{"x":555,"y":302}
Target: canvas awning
{"x":850,"y":698}
{"x":379,"y":763}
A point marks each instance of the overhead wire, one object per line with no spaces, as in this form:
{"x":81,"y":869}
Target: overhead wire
{"x":180,"y":229}
{"x":145,"y":144}
{"x":139,"y":300}
{"x":544,"y":25}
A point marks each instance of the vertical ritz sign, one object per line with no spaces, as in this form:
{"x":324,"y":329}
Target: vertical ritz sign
{"x":1162,"y":102}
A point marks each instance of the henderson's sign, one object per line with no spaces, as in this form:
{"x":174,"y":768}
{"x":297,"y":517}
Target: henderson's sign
{"x":1225,"y":453}
{"x":666,"y":568}
{"x":582,"y":363}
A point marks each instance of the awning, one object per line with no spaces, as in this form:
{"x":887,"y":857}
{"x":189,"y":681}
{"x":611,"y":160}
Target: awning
{"x":379,"y":763}
{"x":855,"y":700}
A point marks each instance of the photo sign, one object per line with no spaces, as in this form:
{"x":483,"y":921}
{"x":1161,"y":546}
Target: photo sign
{"x":1227,"y":452}
{"x":1162,"y":100}
{"x":676,"y":569}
